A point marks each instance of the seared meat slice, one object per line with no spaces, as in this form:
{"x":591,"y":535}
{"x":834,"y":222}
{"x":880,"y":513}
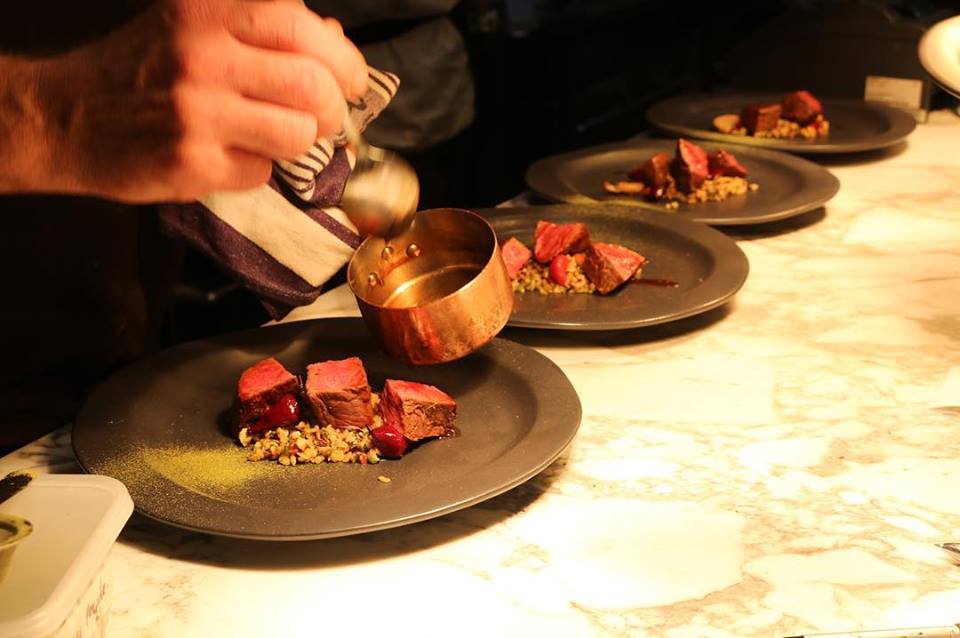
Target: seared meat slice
{"x":723,"y":164}
{"x":654,"y":173}
{"x":609,"y":266}
{"x":757,"y":118}
{"x":551,"y":240}
{"x":339,"y":394}
{"x":801,"y":107}
{"x":515,"y":256}
{"x":260,"y":386}
{"x":418,"y":410}
{"x":690,"y":166}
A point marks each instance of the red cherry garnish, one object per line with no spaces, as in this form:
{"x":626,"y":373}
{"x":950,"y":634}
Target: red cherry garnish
{"x":286,"y":411}
{"x":389,"y":441}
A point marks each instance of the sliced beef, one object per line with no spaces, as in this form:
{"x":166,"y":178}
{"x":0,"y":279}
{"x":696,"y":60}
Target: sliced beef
{"x":801,"y":107}
{"x":515,"y":256}
{"x":551,"y":240}
{"x":608,"y":266}
{"x":723,"y":164}
{"x":654,"y":173}
{"x":339,"y":394}
{"x":690,"y":166}
{"x":418,"y":410}
{"x":260,"y":386}
{"x":757,"y":118}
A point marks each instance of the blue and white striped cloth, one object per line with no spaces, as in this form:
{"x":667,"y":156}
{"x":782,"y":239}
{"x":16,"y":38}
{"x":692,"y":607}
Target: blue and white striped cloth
{"x":285,"y":239}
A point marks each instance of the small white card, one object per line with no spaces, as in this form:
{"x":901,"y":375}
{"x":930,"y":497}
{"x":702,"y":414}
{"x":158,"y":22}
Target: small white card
{"x":903,"y":93}
{"x":948,"y":394}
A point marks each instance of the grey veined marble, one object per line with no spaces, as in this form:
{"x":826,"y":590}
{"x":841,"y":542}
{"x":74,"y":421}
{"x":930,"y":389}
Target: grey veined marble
{"x":784,"y":465}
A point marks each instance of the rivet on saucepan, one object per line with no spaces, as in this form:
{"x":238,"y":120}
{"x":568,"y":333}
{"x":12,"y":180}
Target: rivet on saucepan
{"x":386,"y":253}
{"x":373,"y":279}
{"x":413,"y":251}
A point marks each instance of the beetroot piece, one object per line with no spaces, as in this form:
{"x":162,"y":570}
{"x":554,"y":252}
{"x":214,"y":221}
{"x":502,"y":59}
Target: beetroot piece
{"x":389,"y":441}
{"x":801,"y":107}
{"x":260,"y":386}
{"x":551,"y":240}
{"x":758,"y":118}
{"x":723,"y":164}
{"x":558,"y":269}
{"x":339,"y":394}
{"x":285,"y":412}
{"x":690,"y":166}
{"x":609,"y":266}
{"x":418,"y":410}
{"x":654,"y":173}
{"x":515,"y":256}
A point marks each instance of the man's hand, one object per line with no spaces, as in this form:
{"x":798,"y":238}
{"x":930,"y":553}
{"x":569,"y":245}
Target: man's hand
{"x":192,"y":97}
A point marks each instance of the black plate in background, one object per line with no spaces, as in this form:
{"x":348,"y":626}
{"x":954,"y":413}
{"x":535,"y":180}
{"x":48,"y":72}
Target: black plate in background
{"x":789,"y":185}
{"x":708,"y":266}
{"x":516,"y":413}
{"x":855,"y":125}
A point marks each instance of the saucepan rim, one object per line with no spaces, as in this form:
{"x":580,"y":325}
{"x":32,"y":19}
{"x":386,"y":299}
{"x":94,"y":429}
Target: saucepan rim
{"x":355,"y":264}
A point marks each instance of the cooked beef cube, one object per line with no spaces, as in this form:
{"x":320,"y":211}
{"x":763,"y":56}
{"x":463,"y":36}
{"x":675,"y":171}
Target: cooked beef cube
{"x":609,"y":266}
{"x":690,"y":166}
{"x":515,"y":256}
{"x":757,"y":118}
{"x":801,"y":107}
{"x":260,"y":386}
{"x":724,"y":164}
{"x":419,"y":411}
{"x":654,"y":173}
{"x":551,"y":240}
{"x":339,"y":394}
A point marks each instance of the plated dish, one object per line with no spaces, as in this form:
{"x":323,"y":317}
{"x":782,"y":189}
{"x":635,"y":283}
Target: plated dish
{"x":797,"y":116}
{"x":687,"y":268}
{"x":787,"y":185}
{"x":692,"y":175}
{"x":854,"y":125}
{"x":165,"y":428}
{"x":565,"y":260}
{"x":334,"y":416}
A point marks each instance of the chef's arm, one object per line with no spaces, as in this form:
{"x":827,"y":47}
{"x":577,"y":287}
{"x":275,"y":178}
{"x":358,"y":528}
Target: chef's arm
{"x":24,"y":156}
{"x":189,"y":98}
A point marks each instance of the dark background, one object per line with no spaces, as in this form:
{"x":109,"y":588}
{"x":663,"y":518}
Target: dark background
{"x":555,"y":75}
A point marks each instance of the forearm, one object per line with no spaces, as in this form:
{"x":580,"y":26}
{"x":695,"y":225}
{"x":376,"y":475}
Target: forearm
{"x":28,"y":138}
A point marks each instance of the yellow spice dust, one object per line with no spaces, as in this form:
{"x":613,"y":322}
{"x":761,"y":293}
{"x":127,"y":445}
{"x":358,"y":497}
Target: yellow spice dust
{"x":214,"y":472}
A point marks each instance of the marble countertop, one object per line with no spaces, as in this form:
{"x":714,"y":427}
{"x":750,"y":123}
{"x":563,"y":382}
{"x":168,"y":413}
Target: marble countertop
{"x":785,"y":464}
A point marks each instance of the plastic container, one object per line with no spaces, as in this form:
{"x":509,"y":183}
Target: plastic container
{"x":56,"y":585}
{"x":13,"y":531}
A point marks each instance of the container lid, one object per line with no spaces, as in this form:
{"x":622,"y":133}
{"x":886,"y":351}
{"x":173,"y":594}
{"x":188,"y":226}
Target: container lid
{"x":76,"y":519}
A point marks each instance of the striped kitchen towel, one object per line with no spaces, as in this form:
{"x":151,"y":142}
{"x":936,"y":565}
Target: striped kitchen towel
{"x":285,"y":239}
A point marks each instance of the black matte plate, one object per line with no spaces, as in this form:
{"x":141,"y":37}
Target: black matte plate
{"x":516,"y":413}
{"x":789,"y":185}
{"x":855,"y":125}
{"x":708,"y":266}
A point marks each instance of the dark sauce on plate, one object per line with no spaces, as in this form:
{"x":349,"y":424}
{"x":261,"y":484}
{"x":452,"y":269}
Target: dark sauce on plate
{"x":659,"y":283}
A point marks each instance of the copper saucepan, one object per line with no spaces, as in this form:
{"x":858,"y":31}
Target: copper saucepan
{"x":438,"y":291}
